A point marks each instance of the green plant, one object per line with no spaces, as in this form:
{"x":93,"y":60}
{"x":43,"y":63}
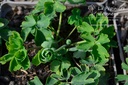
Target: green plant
{"x":69,"y":60}
{"x":17,"y":54}
{"x":121,"y":77}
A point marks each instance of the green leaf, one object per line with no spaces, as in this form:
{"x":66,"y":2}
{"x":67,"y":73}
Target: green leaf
{"x":75,"y":18}
{"x":20,"y":55}
{"x":14,"y":66}
{"x":85,"y":46}
{"x":15,"y":42}
{"x":100,"y":54}
{"x":65,"y":64}
{"x":103,"y":38}
{"x":26,"y":63}
{"x":85,"y":28}
{"x":7,"y":57}
{"x":88,"y":37}
{"x":25,"y":32}
{"x":49,"y":9}
{"x":94,"y":74}
{"x":59,"y":7}
{"x":76,"y":1}
{"x":109,"y":31}
{"x":47,"y":33}
{"x":51,"y":81}
{"x":126,"y":48}
{"x":47,"y":55}
{"x":122,"y":77}
{"x":39,"y":37}
{"x":75,"y":71}
{"x":43,"y":21}
{"x":91,"y":19}
{"x":124,"y":66}
{"x":30,"y":21}
{"x":36,"y":60}
{"x":47,"y":44}
{"x":80,"y":79}
{"x":55,"y":66}
{"x":79,"y":54}
{"x":40,"y":6}
{"x":35,"y":81}
{"x":99,"y":67}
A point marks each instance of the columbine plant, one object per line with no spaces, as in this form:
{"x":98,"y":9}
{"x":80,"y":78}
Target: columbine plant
{"x":76,"y":63}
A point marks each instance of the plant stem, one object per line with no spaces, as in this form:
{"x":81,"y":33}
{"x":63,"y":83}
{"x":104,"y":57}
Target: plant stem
{"x":71,"y":32}
{"x":58,"y":30}
{"x":77,"y":43}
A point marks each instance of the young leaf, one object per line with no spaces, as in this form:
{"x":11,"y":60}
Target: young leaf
{"x":59,"y":7}
{"x":85,"y":27}
{"x":49,"y":9}
{"x":47,"y":55}
{"x":75,"y":18}
{"x":35,"y":81}
{"x":43,"y":21}
{"x":7,"y":57}
{"x":30,"y":21}
{"x":14,"y":66}
{"x":17,"y":55}
{"x":103,"y":38}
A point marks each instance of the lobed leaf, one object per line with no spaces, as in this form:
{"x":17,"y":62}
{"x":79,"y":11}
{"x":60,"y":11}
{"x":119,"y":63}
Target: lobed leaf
{"x":30,"y":21}
{"x":103,"y":38}
{"x":85,"y":27}
{"x":35,"y":81}
{"x":59,"y":7}
{"x":43,"y":21}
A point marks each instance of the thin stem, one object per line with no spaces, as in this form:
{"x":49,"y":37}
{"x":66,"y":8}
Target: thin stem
{"x":77,"y":43}
{"x":58,"y":30}
{"x":71,"y":32}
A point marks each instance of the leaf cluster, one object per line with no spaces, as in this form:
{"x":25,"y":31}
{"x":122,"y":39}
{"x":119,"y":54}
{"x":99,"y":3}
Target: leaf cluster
{"x":76,"y":63}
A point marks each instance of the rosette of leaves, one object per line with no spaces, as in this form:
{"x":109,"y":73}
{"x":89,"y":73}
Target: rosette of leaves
{"x":121,"y":77}
{"x":43,"y":56}
{"x":17,"y":54}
